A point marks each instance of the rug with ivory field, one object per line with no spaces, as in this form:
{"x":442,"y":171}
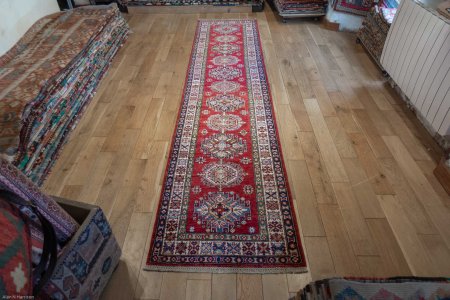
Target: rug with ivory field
{"x":225,"y":203}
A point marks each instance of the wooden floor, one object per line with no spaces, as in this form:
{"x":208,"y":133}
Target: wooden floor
{"x":360,"y":166}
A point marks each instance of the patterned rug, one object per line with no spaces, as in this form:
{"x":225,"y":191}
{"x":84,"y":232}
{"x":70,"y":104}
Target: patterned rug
{"x":356,"y":7}
{"x":194,"y":2}
{"x":47,"y":80}
{"x":395,"y":288}
{"x":225,"y":204}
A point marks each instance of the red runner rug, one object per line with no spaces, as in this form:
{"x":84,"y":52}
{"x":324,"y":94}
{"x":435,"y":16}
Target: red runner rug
{"x":225,"y":204}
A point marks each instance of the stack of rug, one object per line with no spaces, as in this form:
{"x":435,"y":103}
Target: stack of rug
{"x":296,"y":8}
{"x":375,"y":28}
{"x":362,"y":7}
{"x":47,"y":80}
{"x":194,"y":2}
{"x":363,"y":288}
{"x":356,"y":7}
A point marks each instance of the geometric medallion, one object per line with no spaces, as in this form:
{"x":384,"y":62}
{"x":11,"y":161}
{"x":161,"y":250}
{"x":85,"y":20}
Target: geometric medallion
{"x":226,"y":48}
{"x":226,"y":38}
{"x":222,"y":212}
{"x":225,"y":86}
{"x":225,"y":60}
{"x":225,"y":73}
{"x":225,"y":28}
{"x":224,"y":122}
{"x":223,"y":145}
{"x":220,"y":174}
{"x":225,"y":103}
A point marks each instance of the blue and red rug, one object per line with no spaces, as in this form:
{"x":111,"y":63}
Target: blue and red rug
{"x":225,"y":204}
{"x":394,"y":288}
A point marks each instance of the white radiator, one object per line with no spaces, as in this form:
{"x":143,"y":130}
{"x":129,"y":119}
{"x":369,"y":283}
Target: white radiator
{"x":417,"y":57}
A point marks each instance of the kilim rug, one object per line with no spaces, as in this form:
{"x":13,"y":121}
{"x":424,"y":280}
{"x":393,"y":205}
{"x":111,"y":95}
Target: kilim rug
{"x":395,"y":288}
{"x":193,"y":2}
{"x":225,"y":204}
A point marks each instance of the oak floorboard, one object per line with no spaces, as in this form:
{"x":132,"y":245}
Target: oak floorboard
{"x":224,"y":286}
{"x":316,"y":167}
{"x":328,"y":149}
{"x":304,"y":195}
{"x":416,"y":255}
{"x":362,"y":189}
{"x":198,"y":290}
{"x":355,"y":223}
{"x":320,"y":263}
{"x":344,"y":112}
{"x":371,"y":165}
{"x":171,"y":291}
{"x":275,"y":287}
{"x":413,"y":173}
{"x":372,"y":134}
{"x":340,"y":138}
{"x":249,"y":287}
{"x":339,"y":242}
{"x":127,"y":273}
{"x":412,"y":206}
{"x":388,"y":248}
{"x":433,"y":204}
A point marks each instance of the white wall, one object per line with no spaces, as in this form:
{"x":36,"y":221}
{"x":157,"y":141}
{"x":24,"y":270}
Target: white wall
{"x":16,"y":16}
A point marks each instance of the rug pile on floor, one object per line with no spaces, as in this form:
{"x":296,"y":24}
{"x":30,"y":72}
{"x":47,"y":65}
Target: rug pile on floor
{"x":374,"y":30}
{"x":194,"y":2}
{"x":225,"y":204}
{"x":48,"y":78}
{"x":356,"y":7}
{"x":412,"y":288}
{"x":301,"y":8}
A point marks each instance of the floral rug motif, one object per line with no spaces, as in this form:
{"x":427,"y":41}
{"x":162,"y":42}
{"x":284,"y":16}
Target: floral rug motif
{"x":225,"y":204}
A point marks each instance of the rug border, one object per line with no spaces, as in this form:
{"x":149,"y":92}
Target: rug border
{"x":226,"y":270}
{"x":303,"y":268}
{"x":172,"y":145}
{"x":283,"y":164}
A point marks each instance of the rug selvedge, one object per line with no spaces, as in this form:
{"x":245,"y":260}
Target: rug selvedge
{"x":225,"y":204}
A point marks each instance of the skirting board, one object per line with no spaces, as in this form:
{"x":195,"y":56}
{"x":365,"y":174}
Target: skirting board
{"x":443,"y":141}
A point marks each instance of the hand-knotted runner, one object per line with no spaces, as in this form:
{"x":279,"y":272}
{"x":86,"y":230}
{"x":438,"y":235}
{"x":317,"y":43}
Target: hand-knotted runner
{"x":225,"y":203}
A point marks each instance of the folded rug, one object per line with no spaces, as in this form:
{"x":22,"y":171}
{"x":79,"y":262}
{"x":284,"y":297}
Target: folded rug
{"x":193,"y":2}
{"x":13,"y":180}
{"x":412,"y":288}
{"x":47,"y":80}
{"x":301,"y":7}
{"x":356,"y":7}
